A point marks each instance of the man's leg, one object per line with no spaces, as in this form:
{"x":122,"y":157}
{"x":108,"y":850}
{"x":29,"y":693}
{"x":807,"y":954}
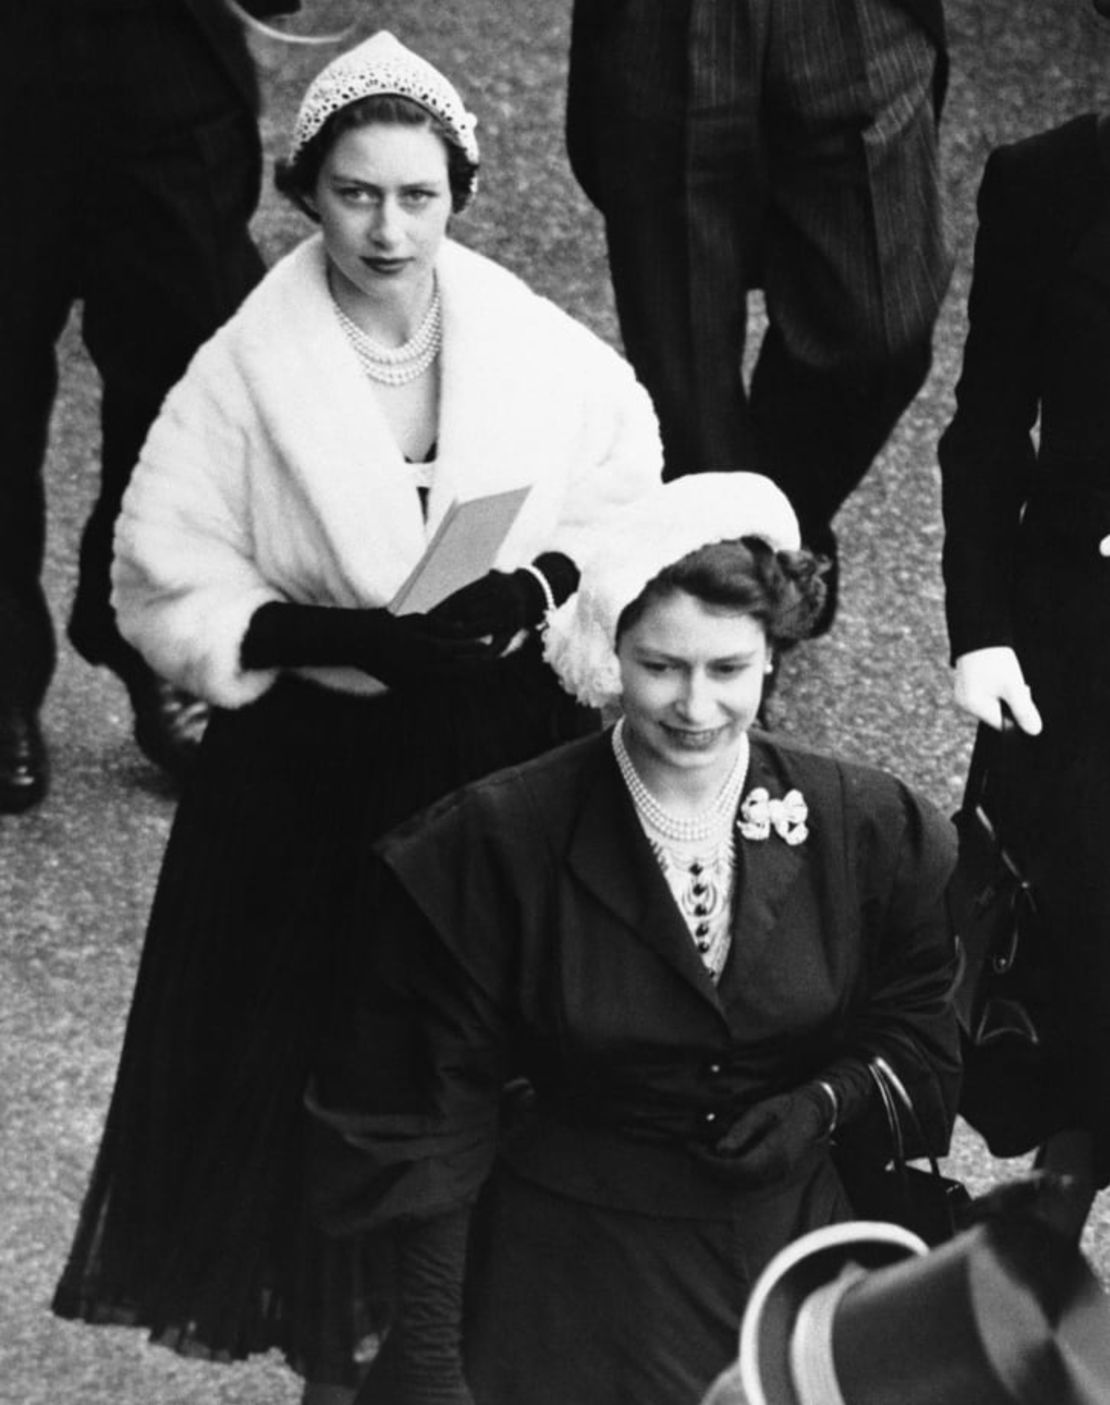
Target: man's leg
{"x":855,"y":259}
{"x":664,"y":134}
{"x":172,"y":260}
{"x":169,"y":212}
{"x":40,"y":256}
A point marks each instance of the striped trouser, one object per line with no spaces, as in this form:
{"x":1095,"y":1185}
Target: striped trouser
{"x":782,"y":144}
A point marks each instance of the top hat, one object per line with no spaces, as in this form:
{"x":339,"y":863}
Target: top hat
{"x":1008,"y":1313}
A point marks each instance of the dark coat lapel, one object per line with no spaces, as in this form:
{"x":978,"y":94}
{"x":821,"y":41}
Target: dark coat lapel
{"x":1091,"y":253}
{"x":766,"y":870}
{"x":610,"y":855}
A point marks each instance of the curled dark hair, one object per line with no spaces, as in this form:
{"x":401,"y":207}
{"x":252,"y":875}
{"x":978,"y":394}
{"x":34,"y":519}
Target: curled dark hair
{"x":296,"y":179}
{"x":783,"y":590}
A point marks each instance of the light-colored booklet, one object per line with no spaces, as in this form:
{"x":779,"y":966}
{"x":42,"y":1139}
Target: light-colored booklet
{"x":464,"y":547}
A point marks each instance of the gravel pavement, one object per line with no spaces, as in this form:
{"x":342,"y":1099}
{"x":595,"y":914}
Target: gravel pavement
{"x":76,"y":875}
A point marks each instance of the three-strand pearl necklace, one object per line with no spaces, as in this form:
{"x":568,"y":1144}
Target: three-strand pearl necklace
{"x":696,"y":854}
{"x":397,"y":365}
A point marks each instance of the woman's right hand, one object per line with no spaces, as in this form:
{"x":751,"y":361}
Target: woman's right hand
{"x":988,"y":678}
{"x":401,"y":650}
{"x":404,"y":650}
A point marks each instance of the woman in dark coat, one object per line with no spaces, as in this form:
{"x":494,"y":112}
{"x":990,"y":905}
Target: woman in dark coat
{"x":1027,"y":520}
{"x":689,"y":939}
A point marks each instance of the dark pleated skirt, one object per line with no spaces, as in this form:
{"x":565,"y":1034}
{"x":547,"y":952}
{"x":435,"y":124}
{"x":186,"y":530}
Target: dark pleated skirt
{"x":577,"y":1304}
{"x":194,"y":1224}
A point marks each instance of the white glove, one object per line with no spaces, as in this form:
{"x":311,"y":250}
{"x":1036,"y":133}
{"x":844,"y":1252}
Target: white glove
{"x":987,"y":678}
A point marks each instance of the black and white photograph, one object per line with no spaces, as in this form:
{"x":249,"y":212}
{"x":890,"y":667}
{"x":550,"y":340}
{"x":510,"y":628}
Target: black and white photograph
{"x":555,"y":702}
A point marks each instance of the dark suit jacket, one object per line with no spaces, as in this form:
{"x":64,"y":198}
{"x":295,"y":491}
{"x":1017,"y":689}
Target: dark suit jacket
{"x":592,"y":51}
{"x":225,"y":32}
{"x":1038,"y":346}
{"x":527,"y":927}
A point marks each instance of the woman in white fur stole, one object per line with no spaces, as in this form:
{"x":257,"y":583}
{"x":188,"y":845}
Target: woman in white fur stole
{"x":379,"y":374}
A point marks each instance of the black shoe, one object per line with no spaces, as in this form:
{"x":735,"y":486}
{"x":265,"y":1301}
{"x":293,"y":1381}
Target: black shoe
{"x":169,"y":723}
{"x":24,"y":772}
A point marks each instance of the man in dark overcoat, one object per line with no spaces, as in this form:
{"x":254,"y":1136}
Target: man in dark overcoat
{"x":132,"y":163}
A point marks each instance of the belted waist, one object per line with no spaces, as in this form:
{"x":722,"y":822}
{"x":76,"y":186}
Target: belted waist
{"x":653,"y":1119}
{"x":648,"y":1172}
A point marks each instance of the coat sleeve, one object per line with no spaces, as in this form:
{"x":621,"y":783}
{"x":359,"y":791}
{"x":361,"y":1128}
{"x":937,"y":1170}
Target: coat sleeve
{"x":987,"y":454}
{"x":906,"y":852}
{"x":408,"y":1085}
{"x":407,"y":1089}
{"x":184,"y":580}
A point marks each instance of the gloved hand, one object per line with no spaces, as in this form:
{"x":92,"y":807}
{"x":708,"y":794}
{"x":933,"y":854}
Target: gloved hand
{"x":501,"y":603}
{"x":399,"y":650}
{"x":987,"y":678}
{"x":769,"y":1140}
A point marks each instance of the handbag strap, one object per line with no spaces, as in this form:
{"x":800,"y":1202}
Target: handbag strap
{"x":898,"y":1105}
{"x":990,"y":743}
{"x":894,"y":1127}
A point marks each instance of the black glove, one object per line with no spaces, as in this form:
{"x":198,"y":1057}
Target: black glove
{"x":398,"y":649}
{"x":501,"y":603}
{"x":769,"y":1140}
{"x":421,"y":1361}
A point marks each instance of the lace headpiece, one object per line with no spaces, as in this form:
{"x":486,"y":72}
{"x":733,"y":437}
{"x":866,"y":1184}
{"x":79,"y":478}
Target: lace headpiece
{"x":379,"y":65}
{"x":640,"y":541}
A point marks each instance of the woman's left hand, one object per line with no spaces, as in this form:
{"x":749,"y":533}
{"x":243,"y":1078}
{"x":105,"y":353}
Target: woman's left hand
{"x":501,"y":603}
{"x":769,"y":1140}
{"x":498,"y":604}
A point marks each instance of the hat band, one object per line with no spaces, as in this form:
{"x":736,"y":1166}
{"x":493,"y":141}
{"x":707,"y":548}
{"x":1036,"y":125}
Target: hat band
{"x":811,"y":1343}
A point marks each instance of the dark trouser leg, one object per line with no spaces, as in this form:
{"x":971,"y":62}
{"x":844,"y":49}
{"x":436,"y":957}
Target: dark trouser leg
{"x":818,"y":432}
{"x":855,"y":259}
{"x":703,"y":418}
{"x":38,"y":258}
{"x":27,"y":384}
{"x":172,"y":260}
{"x":682,"y":196}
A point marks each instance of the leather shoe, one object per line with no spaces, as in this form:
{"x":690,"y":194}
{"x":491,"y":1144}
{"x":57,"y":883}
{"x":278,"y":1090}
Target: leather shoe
{"x":24,"y":772}
{"x":169,"y":722}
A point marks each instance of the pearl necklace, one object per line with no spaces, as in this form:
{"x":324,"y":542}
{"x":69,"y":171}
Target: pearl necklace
{"x":711,"y":823}
{"x":397,"y":365}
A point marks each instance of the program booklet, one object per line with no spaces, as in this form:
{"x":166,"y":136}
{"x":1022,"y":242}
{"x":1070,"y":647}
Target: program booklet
{"x":464,"y":547}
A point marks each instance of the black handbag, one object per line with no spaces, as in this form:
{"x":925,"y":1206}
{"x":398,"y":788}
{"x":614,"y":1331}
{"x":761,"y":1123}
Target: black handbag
{"x":921,"y":1198}
{"x":1004,"y":995}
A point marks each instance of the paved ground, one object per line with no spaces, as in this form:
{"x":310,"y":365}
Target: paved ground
{"x":76,"y":876}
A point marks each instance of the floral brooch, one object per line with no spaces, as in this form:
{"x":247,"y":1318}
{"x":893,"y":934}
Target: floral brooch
{"x":759,"y":815}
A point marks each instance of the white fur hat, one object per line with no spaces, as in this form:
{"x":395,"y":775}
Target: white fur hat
{"x":636,"y":544}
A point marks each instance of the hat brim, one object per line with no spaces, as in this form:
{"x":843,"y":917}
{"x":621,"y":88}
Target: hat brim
{"x":792,"y":1275}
